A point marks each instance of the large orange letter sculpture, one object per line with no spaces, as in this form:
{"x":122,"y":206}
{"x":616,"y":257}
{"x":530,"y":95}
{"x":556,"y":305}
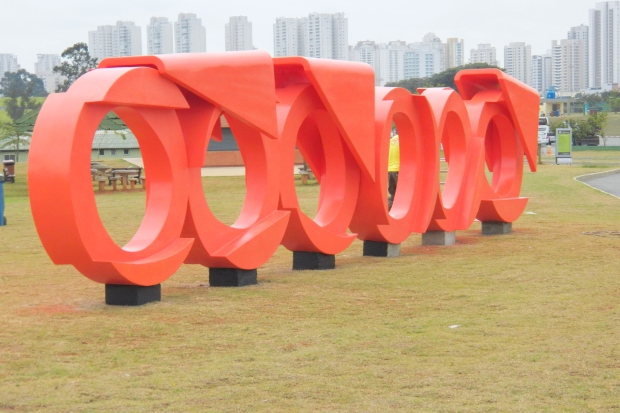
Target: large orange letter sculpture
{"x":330,"y":110}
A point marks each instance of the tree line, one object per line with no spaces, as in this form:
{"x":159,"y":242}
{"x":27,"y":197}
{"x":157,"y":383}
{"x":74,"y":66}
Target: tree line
{"x":21,"y":89}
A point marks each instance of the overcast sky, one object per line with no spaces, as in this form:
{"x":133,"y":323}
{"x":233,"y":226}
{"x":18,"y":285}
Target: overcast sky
{"x":29,"y":27}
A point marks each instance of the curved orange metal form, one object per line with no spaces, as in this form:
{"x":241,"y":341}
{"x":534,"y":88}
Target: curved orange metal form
{"x":419,"y":170}
{"x":65,"y":213}
{"x":330,"y":110}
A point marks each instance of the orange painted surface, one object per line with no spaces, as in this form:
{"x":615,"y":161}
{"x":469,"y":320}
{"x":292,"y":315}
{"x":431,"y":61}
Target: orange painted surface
{"x":329,"y":110}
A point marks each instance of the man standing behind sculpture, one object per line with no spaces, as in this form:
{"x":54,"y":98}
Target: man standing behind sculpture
{"x":393,"y":168}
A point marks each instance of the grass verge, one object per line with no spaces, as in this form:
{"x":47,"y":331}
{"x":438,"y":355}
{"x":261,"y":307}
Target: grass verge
{"x":537,"y":314}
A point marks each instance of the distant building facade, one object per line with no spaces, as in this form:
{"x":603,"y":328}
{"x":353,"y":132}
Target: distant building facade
{"x":454,"y":54}
{"x":542,"y":70}
{"x":190,"y":36}
{"x":569,"y":66}
{"x":123,"y":39}
{"x":518,"y":61}
{"x":44,"y":69}
{"x":8,"y":63}
{"x":319,"y":35}
{"x":159,"y":36}
{"x":604,"y":45}
{"x":238,"y":33}
{"x":484,"y":53}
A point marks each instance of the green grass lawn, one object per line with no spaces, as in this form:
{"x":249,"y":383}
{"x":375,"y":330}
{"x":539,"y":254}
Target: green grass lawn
{"x":538,"y":316}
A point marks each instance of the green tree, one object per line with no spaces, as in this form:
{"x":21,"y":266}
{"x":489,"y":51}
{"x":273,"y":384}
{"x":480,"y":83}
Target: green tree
{"x":442,"y":79}
{"x":77,"y":62}
{"x":19,"y":88}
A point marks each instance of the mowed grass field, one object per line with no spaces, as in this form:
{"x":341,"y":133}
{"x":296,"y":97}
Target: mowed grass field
{"x":526,"y":322}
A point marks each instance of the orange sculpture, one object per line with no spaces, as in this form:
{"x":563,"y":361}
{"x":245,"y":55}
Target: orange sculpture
{"x":329,"y":109}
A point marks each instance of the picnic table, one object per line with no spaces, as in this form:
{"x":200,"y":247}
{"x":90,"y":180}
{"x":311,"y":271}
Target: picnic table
{"x":124,"y":174}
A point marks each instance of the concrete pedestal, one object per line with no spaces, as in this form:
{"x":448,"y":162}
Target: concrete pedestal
{"x":438,"y":238}
{"x":303,"y":260}
{"x":231,"y":277}
{"x":131,"y":295}
{"x":381,"y":249}
{"x":496,"y":228}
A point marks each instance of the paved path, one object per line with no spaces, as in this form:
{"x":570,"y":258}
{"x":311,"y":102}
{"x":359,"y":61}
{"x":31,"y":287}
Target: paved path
{"x":609,"y":184}
{"x":212,"y":171}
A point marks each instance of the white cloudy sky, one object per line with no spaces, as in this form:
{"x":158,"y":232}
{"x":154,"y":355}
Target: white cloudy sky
{"x":28,"y":27}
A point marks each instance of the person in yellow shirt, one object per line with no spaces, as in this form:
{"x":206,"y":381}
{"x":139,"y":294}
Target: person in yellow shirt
{"x":393,"y":168}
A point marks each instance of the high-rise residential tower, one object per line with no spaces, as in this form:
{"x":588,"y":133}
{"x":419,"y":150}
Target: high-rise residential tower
{"x":44,"y":69}
{"x":604,"y":45}
{"x":123,"y":39}
{"x":542,"y":70}
{"x":485,"y":53}
{"x":581,"y":33}
{"x":159,"y":36}
{"x":238,"y":34}
{"x":454,"y":55}
{"x":569,"y":58}
{"x":8,"y":63}
{"x":319,"y":35}
{"x":518,"y":61}
{"x":190,"y":36}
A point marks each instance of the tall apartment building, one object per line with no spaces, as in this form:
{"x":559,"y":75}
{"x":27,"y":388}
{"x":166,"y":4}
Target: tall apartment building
{"x":454,"y":55}
{"x":44,"y":69}
{"x":485,"y":53}
{"x":569,"y":66}
{"x":518,"y":61}
{"x":421,"y":61}
{"x":190,"y":36}
{"x":542,"y":70}
{"x":238,"y":34}
{"x":604,"y":45}
{"x":434,"y":42}
{"x":398,"y":60}
{"x":285,"y":37}
{"x":319,"y":35}
{"x":159,"y":36}
{"x":100,"y":42}
{"x":123,"y":39}
{"x":581,"y":33}
{"x":8,"y":63}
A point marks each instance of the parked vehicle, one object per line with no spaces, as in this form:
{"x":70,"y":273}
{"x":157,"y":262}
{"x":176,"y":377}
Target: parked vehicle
{"x":550,"y":138}
{"x":543,"y":133}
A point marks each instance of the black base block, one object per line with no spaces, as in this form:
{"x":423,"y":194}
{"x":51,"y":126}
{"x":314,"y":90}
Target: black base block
{"x":303,"y":260}
{"x":131,"y":294}
{"x":381,"y":249}
{"x":231,"y":277}
{"x":496,"y":228}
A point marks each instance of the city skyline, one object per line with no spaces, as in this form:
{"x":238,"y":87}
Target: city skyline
{"x":61,"y":23}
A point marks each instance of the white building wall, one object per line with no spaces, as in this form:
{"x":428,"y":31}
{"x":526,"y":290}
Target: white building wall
{"x":319,"y":35}
{"x":190,"y":36}
{"x":44,"y":69}
{"x":581,"y":33}
{"x":159,"y":36}
{"x":604,"y":45}
{"x":8,"y":63}
{"x":123,"y":39}
{"x":101,"y":41}
{"x":127,"y":39}
{"x":518,"y":60}
{"x":421,"y":61}
{"x":455,"y":52}
{"x":569,"y":66}
{"x":285,"y":37}
{"x":485,"y":53}
{"x":238,"y":34}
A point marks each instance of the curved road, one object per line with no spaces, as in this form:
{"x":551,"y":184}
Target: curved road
{"x":609,"y":184}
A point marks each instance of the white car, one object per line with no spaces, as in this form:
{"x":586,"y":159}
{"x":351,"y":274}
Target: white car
{"x":543,"y":135}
